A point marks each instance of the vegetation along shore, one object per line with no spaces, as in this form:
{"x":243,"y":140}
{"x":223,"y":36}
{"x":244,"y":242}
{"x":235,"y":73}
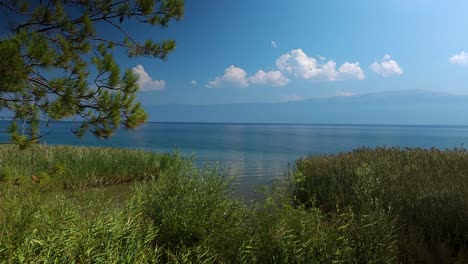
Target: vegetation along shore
{"x":383,"y":205}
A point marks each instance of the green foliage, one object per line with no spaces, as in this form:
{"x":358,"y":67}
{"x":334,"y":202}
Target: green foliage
{"x":38,"y":230}
{"x":182,"y":214}
{"x":12,"y":66}
{"x":397,"y":206}
{"x":371,"y":237}
{"x":191,"y":208}
{"x":426,"y":191}
{"x":46,"y":63}
{"x":193,"y":212}
{"x":68,"y":167}
{"x":286,"y":233}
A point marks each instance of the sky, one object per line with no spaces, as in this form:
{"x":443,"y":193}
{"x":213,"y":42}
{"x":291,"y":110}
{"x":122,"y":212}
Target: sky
{"x":272,"y":51}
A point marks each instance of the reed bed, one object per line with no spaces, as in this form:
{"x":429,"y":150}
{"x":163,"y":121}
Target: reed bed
{"x":426,"y":191}
{"x":71,"y":167}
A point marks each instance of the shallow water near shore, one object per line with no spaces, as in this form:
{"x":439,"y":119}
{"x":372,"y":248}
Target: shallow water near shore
{"x":257,"y":154}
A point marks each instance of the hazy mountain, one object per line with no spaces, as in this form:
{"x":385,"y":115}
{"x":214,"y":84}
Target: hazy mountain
{"x":402,"y":107}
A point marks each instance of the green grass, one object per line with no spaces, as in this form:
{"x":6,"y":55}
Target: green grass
{"x":426,"y":191}
{"x":71,"y":167}
{"x":37,"y":230}
{"x":175,"y":213}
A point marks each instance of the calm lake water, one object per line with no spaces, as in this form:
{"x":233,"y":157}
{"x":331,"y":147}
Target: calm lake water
{"x":258,"y":153}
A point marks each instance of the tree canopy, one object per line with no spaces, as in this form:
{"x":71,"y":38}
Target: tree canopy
{"x":55,"y":64}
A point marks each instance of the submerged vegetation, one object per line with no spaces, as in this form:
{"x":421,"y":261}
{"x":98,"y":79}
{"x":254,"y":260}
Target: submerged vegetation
{"x":381,"y":206}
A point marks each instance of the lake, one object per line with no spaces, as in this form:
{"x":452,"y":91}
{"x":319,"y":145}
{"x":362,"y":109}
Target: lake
{"x":256,"y":154}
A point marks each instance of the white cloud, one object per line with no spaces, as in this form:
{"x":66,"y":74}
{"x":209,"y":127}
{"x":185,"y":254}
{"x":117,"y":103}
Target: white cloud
{"x":274,"y":78}
{"x":295,"y":63}
{"x":300,"y":65}
{"x":387,"y":67}
{"x":232,"y":76}
{"x":351,"y":71}
{"x":329,"y":71}
{"x":235,"y":76}
{"x":461,"y":58}
{"x":273,"y":44}
{"x":193,"y":82}
{"x":145,"y":82}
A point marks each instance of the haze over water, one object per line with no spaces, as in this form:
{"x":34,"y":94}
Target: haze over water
{"x":258,"y":153}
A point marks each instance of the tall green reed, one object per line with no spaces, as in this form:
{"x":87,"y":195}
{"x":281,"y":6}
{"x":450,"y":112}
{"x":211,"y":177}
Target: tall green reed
{"x":426,"y":191}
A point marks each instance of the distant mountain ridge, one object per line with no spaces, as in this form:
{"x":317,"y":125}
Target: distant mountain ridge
{"x":411,"y":107}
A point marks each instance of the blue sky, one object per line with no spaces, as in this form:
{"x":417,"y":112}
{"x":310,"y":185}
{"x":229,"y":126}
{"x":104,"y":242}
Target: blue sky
{"x":306,"y":49}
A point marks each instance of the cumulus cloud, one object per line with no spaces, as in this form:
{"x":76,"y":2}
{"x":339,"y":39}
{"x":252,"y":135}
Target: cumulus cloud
{"x":299,"y":64}
{"x":273,"y":44}
{"x":274,"y":78}
{"x":193,"y":82}
{"x":460,"y":58}
{"x":145,"y":82}
{"x":387,"y":67}
{"x":232,"y":76}
{"x":351,"y":71}
{"x":296,"y":64}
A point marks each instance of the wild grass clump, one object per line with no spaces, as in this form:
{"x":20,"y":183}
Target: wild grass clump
{"x":72,"y":167}
{"x":54,"y":230}
{"x":284,"y":233}
{"x":192,"y":208}
{"x":426,"y":191}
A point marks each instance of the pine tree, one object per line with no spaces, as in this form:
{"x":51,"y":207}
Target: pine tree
{"x":54,"y":65}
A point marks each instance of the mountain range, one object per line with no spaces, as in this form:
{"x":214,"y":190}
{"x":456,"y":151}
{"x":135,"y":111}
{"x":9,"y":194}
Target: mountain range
{"x":410,"y":107}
